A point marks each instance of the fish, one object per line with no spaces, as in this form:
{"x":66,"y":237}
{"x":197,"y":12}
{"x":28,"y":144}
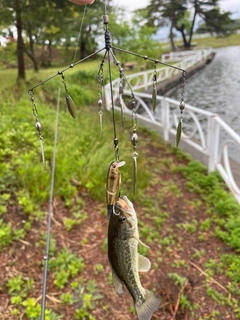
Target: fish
{"x":126,"y":262}
{"x":113,"y":185}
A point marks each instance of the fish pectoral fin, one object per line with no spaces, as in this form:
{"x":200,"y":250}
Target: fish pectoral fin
{"x":117,"y":283}
{"x":146,"y":309}
{"x":144,"y":264}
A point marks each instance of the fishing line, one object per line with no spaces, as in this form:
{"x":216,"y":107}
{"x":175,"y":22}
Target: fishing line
{"x":110,"y":81}
{"x":50,"y":206}
{"x":79,"y":33}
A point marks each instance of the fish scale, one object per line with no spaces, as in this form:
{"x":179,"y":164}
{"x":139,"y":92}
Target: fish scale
{"x":126,"y":266}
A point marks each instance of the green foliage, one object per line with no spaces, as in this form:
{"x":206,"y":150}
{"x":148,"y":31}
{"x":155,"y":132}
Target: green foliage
{"x":64,"y":266}
{"x":18,"y":290}
{"x":86,"y":296}
{"x":178,"y":280}
{"x":78,"y":218}
{"x":191,"y":226}
{"x":232,"y":265}
{"x":32,"y":309}
{"x":212,"y":190}
{"x":15,"y":284}
{"x":98,"y":268}
{"x":5,"y":234}
{"x":184,"y":302}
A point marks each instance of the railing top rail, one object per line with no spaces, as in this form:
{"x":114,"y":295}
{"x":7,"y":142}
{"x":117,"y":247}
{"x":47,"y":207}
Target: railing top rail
{"x":172,"y":101}
{"x":178,"y":55}
{"x":228,"y":129}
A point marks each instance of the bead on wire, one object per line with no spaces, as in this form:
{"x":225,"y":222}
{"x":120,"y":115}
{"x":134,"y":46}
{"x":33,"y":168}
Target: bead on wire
{"x":100,"y":93}
{"x":134,"y":140}
{"x":38,"y":126}
{"x":154,"y":90}
{"x":121,"y":91}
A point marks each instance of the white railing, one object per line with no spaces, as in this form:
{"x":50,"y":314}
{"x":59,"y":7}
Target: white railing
{"x":201,"y":130}
{"x":143,"y":80}
{"x":180,"y":55}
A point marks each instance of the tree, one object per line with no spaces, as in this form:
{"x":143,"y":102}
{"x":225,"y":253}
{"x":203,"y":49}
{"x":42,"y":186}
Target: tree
{"x":8,"y":10}
{"x":159,"y":12}
{"x":50,"y":21}
{"x":175,"y":11}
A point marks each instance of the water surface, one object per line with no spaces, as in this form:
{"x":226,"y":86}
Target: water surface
{"x":216,"y":88}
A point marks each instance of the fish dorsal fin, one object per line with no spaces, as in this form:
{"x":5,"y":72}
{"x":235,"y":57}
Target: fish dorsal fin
{"x":117,"y":283}
{"x":142,"y":243}
{"x":144,"y":264}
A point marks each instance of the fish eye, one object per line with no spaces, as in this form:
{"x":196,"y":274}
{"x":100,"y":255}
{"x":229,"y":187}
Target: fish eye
{"x":122,"y":219}
{"x":113,"y":166}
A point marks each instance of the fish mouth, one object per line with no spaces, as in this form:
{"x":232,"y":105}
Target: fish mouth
{"x":126,"y":207}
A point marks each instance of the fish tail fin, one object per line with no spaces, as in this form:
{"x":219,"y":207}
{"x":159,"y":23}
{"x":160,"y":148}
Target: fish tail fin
{"x":146,"y":309}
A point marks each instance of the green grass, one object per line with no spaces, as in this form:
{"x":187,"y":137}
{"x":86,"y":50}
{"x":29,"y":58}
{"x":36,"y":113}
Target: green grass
{"x":83,"y":157}
{"x":215,"y":42}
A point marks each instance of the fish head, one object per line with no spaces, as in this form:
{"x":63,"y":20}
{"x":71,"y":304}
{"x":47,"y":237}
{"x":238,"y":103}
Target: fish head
{"x":113,"y":168}
{"x":126,"y":218}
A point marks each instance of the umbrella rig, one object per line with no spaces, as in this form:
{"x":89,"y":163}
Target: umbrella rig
{"x":113,"y":176}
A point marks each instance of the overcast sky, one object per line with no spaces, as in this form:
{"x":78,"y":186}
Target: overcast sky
{"x":226,"y":5}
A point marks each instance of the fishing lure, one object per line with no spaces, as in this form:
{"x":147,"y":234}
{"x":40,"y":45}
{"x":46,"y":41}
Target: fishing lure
{"x":113,"y":185}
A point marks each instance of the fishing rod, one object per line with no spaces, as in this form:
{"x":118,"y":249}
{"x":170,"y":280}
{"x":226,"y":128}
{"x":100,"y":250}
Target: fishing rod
{"x":50,"y":207}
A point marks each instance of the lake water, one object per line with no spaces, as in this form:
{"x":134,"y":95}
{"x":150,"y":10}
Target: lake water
{"x":216,"y":88}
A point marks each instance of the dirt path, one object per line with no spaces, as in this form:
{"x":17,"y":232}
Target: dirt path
{"x":170,"y":220}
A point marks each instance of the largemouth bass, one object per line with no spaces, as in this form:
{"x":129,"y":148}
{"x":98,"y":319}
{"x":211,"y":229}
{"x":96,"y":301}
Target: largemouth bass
{"x":113,"y":185}
{"x":125,"y":261}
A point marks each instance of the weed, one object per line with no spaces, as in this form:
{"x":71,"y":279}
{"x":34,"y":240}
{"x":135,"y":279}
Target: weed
{"x":206,"y":224}
{"x":232,"y":264}
{"x":199,"y":253}
{"x":178,"y":263}
{"x":178,"y":280}
{"x":5,"y":234}
{"x":52,"y":246}
{"x":64,"y":266}
{"x":184,"y":302}
{"x":32,"y":308}
{"x":98,"y":268}
{"x":15,"y":285}
{"x":191,"y":227}
{"x":67,"y":298}
{"x":18,"y":234}
{"x":87,"y":295}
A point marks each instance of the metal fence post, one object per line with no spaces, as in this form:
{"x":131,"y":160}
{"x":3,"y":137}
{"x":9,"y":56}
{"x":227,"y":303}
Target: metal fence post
{"x":213,"y":143}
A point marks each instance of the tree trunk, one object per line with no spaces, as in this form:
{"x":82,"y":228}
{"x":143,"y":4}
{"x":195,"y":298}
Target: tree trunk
{"x":171,"y":37}
{"x":31,"y":54}
{"x":191,"y":31}
{"x":50,"y":52}
{"x":186,"y":44}
{"x":82,"y":49}
{"x":20,"y":47}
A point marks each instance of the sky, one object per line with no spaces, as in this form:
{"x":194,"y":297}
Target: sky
{"x":225,"y":5}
